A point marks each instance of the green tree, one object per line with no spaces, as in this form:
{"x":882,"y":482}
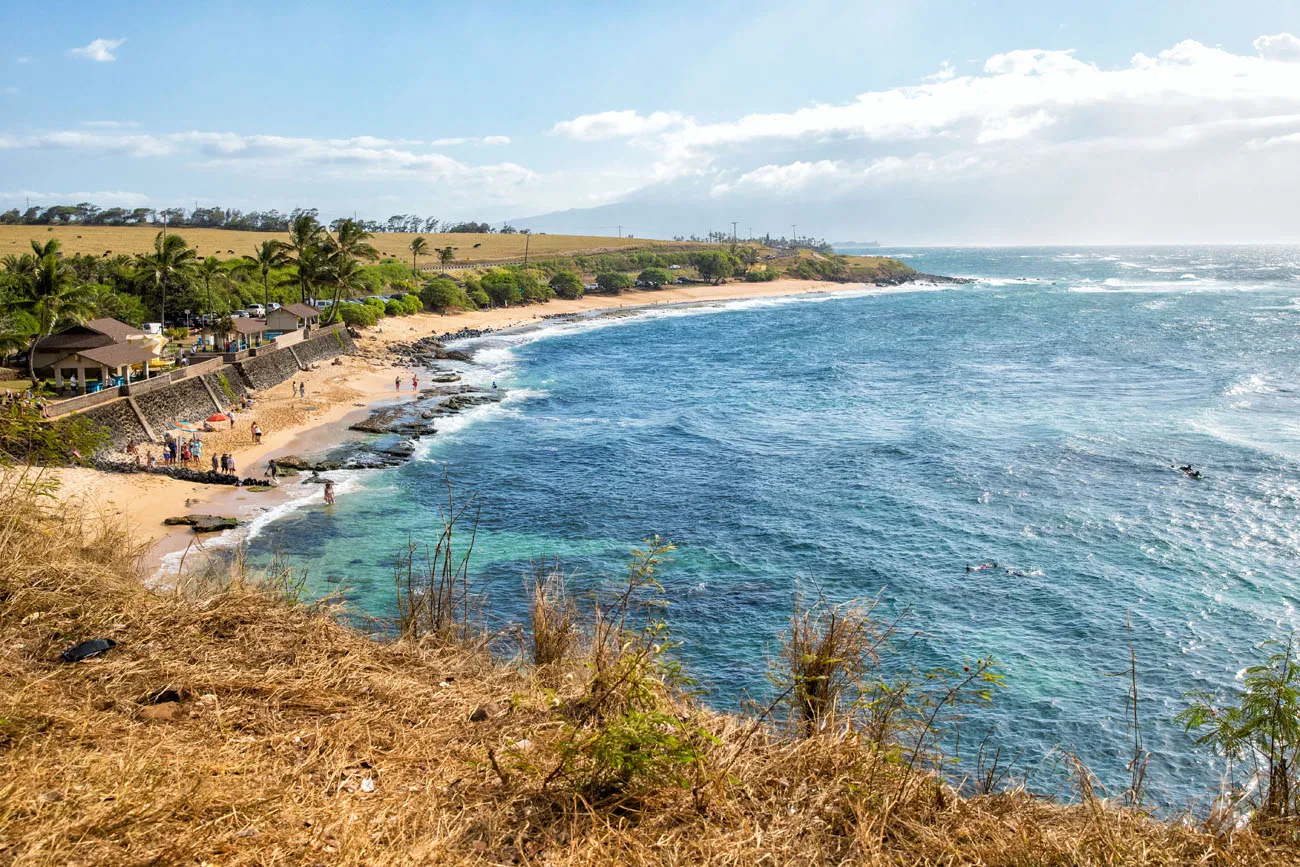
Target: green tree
{"x":613,"y":282}
{"x":502,"y":287}
{"x":566,"y":284}
{"x":171,"y":260}
{"x":51,"y":294}
{"x":343,"y":270}
{"x":446,"y":255}
{"x":418,"y":247}
{"x":654,"y":277}
{"x":1261,"y":725}
{"x":304,"y":249}
{"x":533,"y":289}
{"x":266,"y":257}
{"x":716,"y":265}
{"x":442,"y":293}
{"x":210,"y":269}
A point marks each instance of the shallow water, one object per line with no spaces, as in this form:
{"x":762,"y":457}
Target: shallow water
{"x":879,"y":443}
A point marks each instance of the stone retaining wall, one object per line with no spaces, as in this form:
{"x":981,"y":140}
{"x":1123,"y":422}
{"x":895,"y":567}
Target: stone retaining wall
{"x":164,"y":403}
{"x":122,"y":424}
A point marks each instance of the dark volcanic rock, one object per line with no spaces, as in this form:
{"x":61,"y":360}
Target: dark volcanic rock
{"x":203,"y":523}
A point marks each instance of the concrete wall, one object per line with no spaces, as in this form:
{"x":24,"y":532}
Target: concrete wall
{"x":272,"y":368}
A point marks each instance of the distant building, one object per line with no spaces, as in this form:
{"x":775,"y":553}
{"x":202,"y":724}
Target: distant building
{"x":292,"y":317}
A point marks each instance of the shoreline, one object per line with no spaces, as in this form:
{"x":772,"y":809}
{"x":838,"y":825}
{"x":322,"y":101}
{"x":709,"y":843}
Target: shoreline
{"x":340,"y":395}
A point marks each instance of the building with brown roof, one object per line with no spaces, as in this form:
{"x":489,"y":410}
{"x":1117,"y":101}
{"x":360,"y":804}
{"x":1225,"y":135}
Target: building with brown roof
{"x":292,"y":317}
{"x":98,"y":350}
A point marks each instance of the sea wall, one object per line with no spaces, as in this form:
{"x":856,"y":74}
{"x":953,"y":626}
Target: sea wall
{"x":187,"y":400}
{"x":191,"y":399}
{"x":121,"y":421}
{"x":272,"y":368}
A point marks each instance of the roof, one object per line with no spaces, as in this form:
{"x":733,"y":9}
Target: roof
{"x":118,"y":354}
{"x":302,"y":311}
{"x":119,"y":331}
{"x":96,"y":332}
{"x":245,"y":325}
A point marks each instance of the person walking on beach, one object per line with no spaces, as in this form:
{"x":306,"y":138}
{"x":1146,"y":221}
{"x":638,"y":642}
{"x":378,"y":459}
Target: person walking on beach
{"x":415,"y":382}
{"x":398,"y":383}
{"x":257,"y":433}
{"x":230,"y":464}
{"x":302,"y":389}
{"x":329,"y":493}
{"x":272,"y":469}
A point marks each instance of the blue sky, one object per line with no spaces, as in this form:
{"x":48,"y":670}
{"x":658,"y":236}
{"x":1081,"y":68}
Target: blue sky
{"x":907,"y":122}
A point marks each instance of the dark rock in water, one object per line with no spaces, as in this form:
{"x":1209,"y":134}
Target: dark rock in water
{"x":288,"y":472}
{"x":87,"y":649}
{"x":373,"y":461}
{"x":315,"y":479}
{"x":203,"y":523}
{"x":326,"y":466}
{"x":452,"y":355}
{"x":293,"y":462}
{"x":403,"y":449}
{"x":445,"y":377}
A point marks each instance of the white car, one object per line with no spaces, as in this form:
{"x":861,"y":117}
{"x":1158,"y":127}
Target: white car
{"x":257,"y":310}
{"x":152,"y":328}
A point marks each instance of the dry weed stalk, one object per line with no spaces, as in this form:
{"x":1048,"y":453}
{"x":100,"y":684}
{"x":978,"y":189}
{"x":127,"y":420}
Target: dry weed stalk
{"x":553,"y":616}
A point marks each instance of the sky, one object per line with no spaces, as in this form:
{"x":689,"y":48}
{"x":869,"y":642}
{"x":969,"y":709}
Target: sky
{"x":907,"y":123}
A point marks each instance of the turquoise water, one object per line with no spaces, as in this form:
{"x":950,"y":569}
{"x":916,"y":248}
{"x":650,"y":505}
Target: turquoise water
{"x":881,"y":442}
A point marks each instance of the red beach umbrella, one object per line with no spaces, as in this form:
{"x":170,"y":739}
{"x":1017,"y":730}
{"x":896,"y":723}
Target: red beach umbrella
{"x":216,"y":416}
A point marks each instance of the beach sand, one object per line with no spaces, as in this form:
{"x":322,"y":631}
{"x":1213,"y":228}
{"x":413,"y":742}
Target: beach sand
{"x":336,"y":393}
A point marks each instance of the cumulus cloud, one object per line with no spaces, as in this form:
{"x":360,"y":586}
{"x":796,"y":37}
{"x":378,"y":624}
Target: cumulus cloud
{"x":1280,"y":46}
{"x":617,"y":124}
{"x":471,"y":140}
{"x":100,"y":50}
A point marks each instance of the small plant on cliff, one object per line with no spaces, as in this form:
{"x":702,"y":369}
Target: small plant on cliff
{"x":1259,"y":727}
{"x":554,"y":617}
{"x":629,"y":735}
{"x":226,"y":388}
{"x":26,"y":437}
{"x":434,"y":594}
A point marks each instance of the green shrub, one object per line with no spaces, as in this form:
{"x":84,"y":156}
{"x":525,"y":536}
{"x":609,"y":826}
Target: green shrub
{"x":502,"y":286}
{"x":654,"y":277}
{"x":359,"y":315}
{"x":442,"y":293}
{"x":413,"y":303}
{"x":613,"y":282}
{"x":395,"y":308}
{"x":480,"y":298}
{"x":566,"y":284}
{"x":534,"y":290}
{"x":761,"y":276}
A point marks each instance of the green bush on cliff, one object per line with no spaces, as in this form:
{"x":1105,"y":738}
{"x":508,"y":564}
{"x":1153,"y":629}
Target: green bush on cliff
{"x":566,"y":284}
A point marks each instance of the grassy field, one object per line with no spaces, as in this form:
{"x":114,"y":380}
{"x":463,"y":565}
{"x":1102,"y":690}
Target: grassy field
{"x":226,"y":244}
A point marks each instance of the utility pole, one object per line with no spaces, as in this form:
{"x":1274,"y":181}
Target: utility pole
{"x":733,"y":230}
{"x":794,"y":235}
{"x":528,"y":237}
{"x":620,"y":230}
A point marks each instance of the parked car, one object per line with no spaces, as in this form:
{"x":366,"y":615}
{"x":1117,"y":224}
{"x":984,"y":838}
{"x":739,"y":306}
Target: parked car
{"x":152,"y":328}
{"x":256,"y":310}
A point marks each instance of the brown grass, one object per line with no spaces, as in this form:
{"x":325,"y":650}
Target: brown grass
{"x":293,"y":739}
{"x":96,"y":240}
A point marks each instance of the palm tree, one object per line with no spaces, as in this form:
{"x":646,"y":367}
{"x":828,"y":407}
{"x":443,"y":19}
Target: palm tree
{"x":171,"y":258}
{"x":343,"y":250}
{"x":305,"y":234}
{"x":418,"y":247}
{"x":270,"y":255}
{"x":52,"y":296}
{"x":209,"y":269}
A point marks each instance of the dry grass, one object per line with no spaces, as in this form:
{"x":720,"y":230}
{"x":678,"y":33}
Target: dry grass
{"x":96,"y":240}
{"x":293,"y":739}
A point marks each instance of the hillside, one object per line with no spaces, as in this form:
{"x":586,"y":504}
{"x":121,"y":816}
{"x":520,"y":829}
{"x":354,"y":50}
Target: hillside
{"x":226,"y":244}
{"x":231,"y":724}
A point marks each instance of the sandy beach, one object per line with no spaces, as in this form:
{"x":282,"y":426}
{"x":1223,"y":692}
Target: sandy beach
{"x":338,"y":395}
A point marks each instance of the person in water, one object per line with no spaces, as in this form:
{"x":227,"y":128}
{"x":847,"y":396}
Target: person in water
{"x":329,"y":493}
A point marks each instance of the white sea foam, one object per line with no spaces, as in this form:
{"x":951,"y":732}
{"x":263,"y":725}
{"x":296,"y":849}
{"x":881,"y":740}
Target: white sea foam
{"x":1253,"y":384}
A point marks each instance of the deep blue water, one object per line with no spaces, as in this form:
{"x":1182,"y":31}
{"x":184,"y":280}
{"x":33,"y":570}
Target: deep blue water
{"x":880,"y":443}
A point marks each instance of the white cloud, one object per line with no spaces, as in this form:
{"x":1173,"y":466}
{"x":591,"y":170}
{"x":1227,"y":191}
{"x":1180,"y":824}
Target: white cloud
{"x":946,"y":71}
{"x":471,"y":140}
{"x":1280,"y":46}
{"x":111,"y":124}
{"x":100,"y":50}
{"x":617,"y":124}
{"x":22,"y":60}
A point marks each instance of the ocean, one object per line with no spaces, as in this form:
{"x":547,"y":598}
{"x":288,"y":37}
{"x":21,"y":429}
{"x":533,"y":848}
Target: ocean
{"x":876,"y":444}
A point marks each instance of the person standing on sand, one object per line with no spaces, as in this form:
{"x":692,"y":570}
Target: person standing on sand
{"x":257,"y":433}
{"x":398,"y":382}
{"x":214,"y":463}
{"x":329,"y":493}
{"x":302,"y":389}
{"x":415,"y":382}
{"x":230,"y":464}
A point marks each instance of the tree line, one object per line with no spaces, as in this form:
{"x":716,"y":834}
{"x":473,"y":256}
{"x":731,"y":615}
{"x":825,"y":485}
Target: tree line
{"x":89,"y":214}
